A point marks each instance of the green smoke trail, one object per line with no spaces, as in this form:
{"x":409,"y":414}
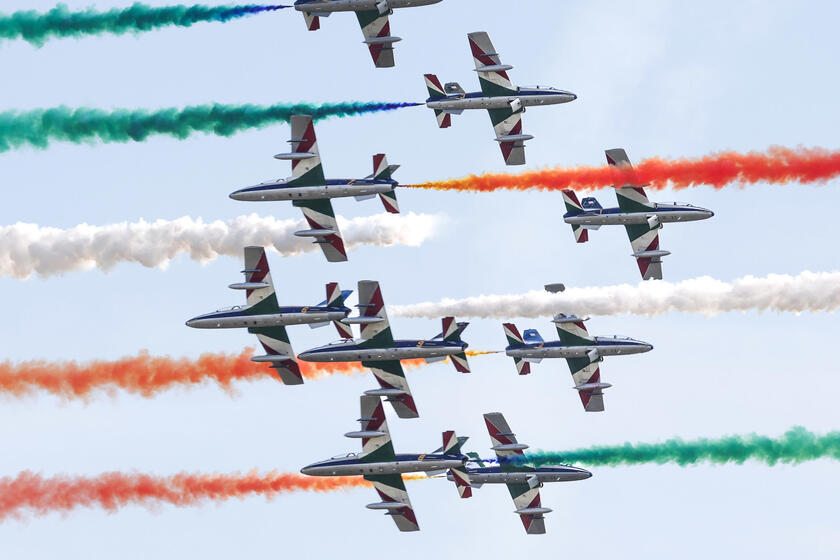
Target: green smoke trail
{"x":37,"y":27}
{"x":796,"y":446}
{"x":37,"y":128}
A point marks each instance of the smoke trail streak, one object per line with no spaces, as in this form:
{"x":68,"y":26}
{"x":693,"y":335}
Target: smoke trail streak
{"x":27,"y":249}
{"x":807,"y":291}
{"x":38,"y":127}
{"x":796,"y":446}
{"x":778,"y":165}
{"x":149,"y":376}
{"x":37,"y":28}
{"x":30,"y":493}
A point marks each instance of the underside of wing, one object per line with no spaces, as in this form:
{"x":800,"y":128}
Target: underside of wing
{"x":644,"y":240}
{"x":324,"y":228}
{"x":492,"y":74}
{"x":507,"y":124}
{"x":394,"y":386}
{"x":279,"y":353}
{"x":587,"y":379}
{"x":377,"y":31}
{"x":395,"y":502}
{"x":529,"y":507}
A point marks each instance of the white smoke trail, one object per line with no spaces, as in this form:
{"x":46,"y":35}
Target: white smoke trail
{"x":807,"y":291}
{"x":27,"y":249}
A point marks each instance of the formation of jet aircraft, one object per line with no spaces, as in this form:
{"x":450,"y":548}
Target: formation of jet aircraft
{"x":378,"y":351}
{"x":264,"y":317}
{"x":311,"y":192}
{"x":640,"y":217}
{"x":582,"y":351}
{"x":503,"y":101}
{"x":380,"y":465}
{"x":373,"y":19}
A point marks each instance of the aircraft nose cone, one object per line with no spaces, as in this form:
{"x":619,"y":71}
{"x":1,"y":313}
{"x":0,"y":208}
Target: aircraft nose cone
{"x":236,"y":195}
{"x":587,"y":474}
{"x":190,"y":323}
{"x":306,"y":470}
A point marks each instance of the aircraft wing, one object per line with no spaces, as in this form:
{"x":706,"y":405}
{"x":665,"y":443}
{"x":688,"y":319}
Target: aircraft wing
{"x":645,"y":239}
{"x":492,"y":74}
{"x":391,"y":376}
{"x":279,"y":353}
{"x":526,"y":496}
{"x":321,"y":218}
{"x":391,"y":490}
{"x":585,"y":372}
{"x":377,"y":31}
{"x":507,"y":124}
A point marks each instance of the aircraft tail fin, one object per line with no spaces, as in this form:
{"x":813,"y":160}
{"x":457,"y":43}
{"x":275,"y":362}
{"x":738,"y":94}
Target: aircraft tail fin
{"x":383,"y":172}
{"x":574,"y":207}
{"x":452,"y":333}
{"x":313,"y":22}
{"x":452,"y":446}
{"x":434,"y":86}
{"x":335,"y":298}
{"x":515,"y":339}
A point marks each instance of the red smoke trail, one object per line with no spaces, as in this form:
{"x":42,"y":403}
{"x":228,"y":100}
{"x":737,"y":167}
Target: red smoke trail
{"x":31,"y":493}
{"x":149,"y":375}
{"x":777,"y":166}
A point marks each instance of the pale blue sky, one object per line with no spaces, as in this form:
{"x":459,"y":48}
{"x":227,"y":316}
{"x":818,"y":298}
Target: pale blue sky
{"x":658,"y":78}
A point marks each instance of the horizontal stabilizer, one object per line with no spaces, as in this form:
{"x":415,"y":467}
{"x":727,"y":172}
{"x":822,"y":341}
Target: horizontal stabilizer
{"x":318,"y":325}
{"x":315,"y":233}
{"x":562,"y":318}
{"x":533,"y":360}
{"x":365,"y":196}
{"x":249,"y":286}
{"x":295,"y":156}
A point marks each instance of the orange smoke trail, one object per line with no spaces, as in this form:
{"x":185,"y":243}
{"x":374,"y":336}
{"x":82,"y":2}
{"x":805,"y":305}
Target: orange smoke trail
{"x":32,"y":493}
{"x":149,"y":375}
{"x":777,"y":165}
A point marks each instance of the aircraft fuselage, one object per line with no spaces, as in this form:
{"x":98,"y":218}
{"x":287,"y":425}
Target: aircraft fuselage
{"x":606,"y":346}
{"x":352,"y":351}
{"x":667,"y":213}
{"x":238,"y":317}
{"x":405,"y":463}
{"x":335,"y":188}
{"x":529,"y":97}
{"x":495,"y":475}
{"x":357,"y":5}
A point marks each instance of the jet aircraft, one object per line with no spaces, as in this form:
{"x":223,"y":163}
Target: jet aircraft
{"x":372,"y":16}
{"x":503,"y":101}
{"x":311,"y":192}
{"x":640,"y":217}
{"x":378,"y":350}
{"x":264,"y":317}
{"x":380,"y":465}
{"x":582,"y":352}
{"x":523,"y":481}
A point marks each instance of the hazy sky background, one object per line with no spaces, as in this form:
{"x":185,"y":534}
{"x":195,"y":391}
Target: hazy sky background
{"x":658,"y":78}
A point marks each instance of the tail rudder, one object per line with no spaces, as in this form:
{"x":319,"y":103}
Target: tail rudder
{"x":573,"y":208}
{"x":313,"y":22}
{"x":383,"y":172}
{"x":515,"y":339}
{"x":452,"y":446}
{"x":335,"y":298}
{"x":452,"y":333}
